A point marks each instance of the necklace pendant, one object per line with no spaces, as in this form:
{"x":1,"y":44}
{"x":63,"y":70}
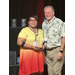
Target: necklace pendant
{"x":36,"y":33}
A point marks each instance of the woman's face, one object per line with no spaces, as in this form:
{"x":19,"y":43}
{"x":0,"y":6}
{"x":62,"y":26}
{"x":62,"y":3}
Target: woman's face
{"x":32,"y":22}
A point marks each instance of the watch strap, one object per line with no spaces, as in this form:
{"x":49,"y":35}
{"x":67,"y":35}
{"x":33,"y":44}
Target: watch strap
{"x":60,"y":51}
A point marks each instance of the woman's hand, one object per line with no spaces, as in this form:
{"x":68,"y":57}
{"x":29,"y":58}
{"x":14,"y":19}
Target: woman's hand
{"x":35,"y":48}
{"x":41,"y":48}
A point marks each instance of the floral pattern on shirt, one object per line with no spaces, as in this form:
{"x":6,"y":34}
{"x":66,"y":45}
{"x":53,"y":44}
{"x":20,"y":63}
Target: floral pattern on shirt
{"x":56,"y":30}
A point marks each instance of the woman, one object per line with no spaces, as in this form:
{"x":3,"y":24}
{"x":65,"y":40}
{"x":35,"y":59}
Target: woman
{"x":30,"y":40}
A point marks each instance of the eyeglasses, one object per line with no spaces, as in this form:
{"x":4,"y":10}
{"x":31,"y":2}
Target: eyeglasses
{"x":32,"y":20}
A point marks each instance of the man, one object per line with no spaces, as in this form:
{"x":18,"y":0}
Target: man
{"x":54,"y":35}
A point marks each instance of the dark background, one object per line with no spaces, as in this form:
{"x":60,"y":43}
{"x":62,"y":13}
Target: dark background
{"x":23,"y":8}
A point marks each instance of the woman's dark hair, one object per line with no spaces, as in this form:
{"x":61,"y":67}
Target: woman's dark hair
{"x":34,"y":16}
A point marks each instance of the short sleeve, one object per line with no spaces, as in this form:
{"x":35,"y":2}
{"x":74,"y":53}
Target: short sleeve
{"x":63,"y":30}
{"x":22,"y":33}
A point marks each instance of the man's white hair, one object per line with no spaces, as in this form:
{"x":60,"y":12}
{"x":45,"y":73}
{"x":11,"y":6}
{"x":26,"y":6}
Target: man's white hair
{"x":49,"y":7}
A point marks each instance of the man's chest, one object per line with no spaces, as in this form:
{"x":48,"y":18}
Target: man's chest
{"x":51,"y":29}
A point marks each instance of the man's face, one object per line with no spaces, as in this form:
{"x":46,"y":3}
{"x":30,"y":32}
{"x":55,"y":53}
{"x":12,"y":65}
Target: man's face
{"x":48,"y":13}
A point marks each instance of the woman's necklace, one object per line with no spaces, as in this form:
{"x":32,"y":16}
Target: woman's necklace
{"x":35,"y":32}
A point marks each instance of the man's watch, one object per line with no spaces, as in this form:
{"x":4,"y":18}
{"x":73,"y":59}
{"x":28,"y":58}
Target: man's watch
{"x":60,"y":51}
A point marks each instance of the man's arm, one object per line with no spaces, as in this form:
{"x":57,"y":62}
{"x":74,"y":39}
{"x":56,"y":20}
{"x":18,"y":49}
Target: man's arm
{"x":59,"y":55}
{"x":62,"y":43}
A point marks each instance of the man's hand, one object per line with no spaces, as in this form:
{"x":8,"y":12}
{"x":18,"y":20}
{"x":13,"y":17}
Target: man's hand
{"x":59,"y":55}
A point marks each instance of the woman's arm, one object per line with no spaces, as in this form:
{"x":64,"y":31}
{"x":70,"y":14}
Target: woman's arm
{"x":27,"y":46}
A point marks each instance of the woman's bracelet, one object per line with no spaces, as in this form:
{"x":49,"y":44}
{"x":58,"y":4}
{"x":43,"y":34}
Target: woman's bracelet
{"x":22,"y":44}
